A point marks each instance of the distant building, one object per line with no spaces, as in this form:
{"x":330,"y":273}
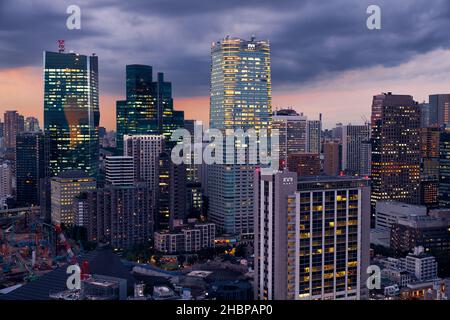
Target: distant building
{"x":314,"y":136}
{"x":64,"y":188}
{"x":354,"y":156}
{"x":13,"y":125}
{"x":439,"y":110}
{"x":291,"y":127}
{"x":6,"y":181}
{"x":304,"y":164}
{"x":31,"y":124}
{"x":332,"y":157}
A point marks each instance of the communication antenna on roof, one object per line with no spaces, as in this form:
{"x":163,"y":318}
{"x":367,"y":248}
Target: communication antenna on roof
{"x":61,"y":46}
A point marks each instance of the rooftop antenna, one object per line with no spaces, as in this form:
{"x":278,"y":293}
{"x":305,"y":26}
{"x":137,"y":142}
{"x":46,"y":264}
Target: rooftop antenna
{"x":61,"y":46}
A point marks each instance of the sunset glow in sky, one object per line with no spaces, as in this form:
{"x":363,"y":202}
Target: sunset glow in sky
{"x":324,"y":59}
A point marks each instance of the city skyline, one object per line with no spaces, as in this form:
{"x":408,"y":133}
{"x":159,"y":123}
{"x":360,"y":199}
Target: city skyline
{"x":319,"y":55}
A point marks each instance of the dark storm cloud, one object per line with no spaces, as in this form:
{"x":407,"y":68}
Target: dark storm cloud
{"x":310,"y":39}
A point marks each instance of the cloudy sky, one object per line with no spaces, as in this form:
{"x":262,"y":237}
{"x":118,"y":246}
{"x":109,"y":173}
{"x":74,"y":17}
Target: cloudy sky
{"x":324,"y":59}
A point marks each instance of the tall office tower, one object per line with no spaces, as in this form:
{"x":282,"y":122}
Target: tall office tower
{"x":193,"y":171}
{"x":6,"y":181}
{"x":439,"y":110}
{"x":31,"y":124}
{"x":332,"y":157}
{"x":12,"y":127}
{"x":119,"y":170}
{"x":240,"y":99}
{"x":71,"y":112}
{"x":366,"y":157}
{"x":395,"y":149}
{"x":444,"y":168}
{"x":148,"y":108}
{"x":314,"y":136}
{"x":172,"y":193}
{"x":312,"y":237}
{"x":30,"y":168}
{"x":354,"y":156}
{"x":304,"y":164}
{"x":292,"y":130}
{"x":64,"y":188}
{"x":117,"y":215}
{"x":429,"y":166}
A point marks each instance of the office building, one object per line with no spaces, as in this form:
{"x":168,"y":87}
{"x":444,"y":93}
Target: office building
{"x":148,"y":108}
{"x":240,"y":99}
{"x":119,"y":170}
{"x":312,"y":237}
{"x":354,"y":157}
{"x":30,"y":167}
{"x":395,"y":149}
{"x":304,"y":164}
{"x":71,"y":112}
{"x":64,"y":188}
{"x":292,"y":131}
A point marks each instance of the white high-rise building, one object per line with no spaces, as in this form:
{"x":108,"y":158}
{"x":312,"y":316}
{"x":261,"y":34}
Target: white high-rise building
{"x":120,"y":170}
{"x":311,"y":237}
{"x":145,"y":150}
{"x":240,"y":99}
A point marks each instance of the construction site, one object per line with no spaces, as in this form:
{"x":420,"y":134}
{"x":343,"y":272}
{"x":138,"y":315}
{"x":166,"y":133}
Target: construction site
{"x":29,"y":247}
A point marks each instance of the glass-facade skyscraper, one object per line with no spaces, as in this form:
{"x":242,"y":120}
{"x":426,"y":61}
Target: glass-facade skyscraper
{"x":148,"y":108}
{"x":240,"y":99}
{"x":71,"y":112}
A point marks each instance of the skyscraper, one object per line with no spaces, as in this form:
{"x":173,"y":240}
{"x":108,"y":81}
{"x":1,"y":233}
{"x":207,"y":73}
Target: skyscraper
{"x":304,"y":164}
{"x":30,"y":167}
{"x":395,"y":148}
{"x":353,"y":159}
{"x":148,"y":108}
{"x":71,"y":112}
{"x":240,"y":99}
{"x":311,"y":237}
{"x":31,"y":124}
{"x":119,"y":170}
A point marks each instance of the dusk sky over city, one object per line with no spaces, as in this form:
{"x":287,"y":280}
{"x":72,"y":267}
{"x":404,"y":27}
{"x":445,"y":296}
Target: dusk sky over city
{"x":323,"y":57}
